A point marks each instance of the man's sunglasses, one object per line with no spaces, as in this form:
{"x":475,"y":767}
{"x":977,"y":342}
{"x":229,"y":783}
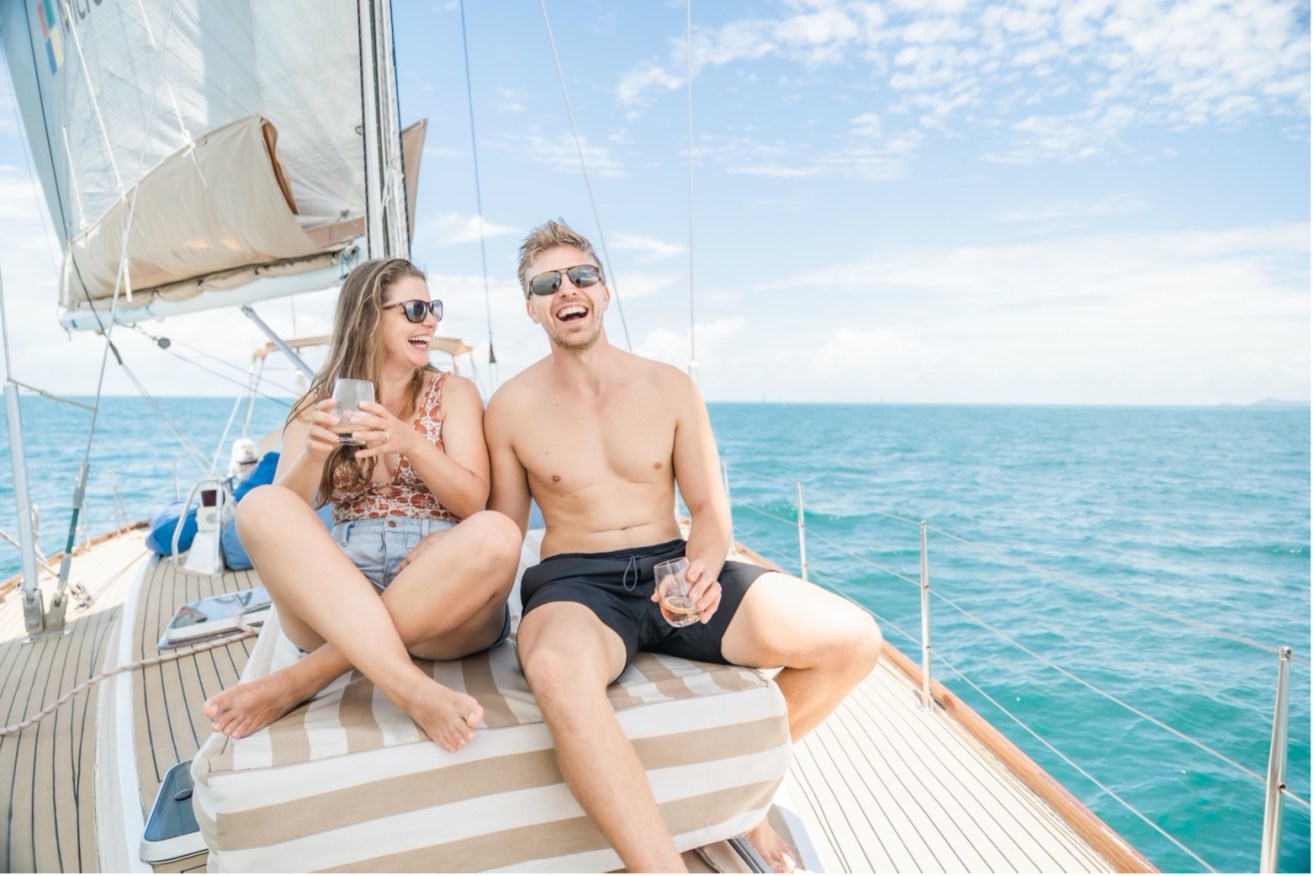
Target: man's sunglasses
{"x":548,"y":282}
{"x":416,"y":309}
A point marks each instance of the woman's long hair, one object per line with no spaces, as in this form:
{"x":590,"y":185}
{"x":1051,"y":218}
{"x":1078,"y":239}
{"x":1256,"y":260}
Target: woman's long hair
{"x":356,"y":351}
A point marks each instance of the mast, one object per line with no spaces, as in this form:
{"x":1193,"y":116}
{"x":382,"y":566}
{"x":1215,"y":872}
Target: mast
{"x":387,"y":234}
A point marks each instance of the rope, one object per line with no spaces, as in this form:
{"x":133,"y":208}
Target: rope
{"x":1109,"y":791}
{"x":243,"y":632}
{"x":478,"y":199}
{"x":1106,"y":694}
{"x":578,"y":145}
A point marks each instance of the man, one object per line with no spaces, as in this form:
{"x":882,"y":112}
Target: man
{"x":600,"y":438}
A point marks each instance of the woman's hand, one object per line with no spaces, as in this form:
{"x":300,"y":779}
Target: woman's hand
{"x":320,"y":437}
{"x":383,"y":433}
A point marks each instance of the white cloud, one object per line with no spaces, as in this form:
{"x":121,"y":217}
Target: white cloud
{"x":634,"y":83}
{"x":1109,"y":205}
{"x":648,"y":248}
{"x":860,"y":153}
{"x":559,"y":152}
{"x":1197,"y":317}
{"x":633,"y":284}
{"x":856,"y":354}
{"x":1072,"y":80}
{"x":718,"y":344}
{"x":446,"y":229}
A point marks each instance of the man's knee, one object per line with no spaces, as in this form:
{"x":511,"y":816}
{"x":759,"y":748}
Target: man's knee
{"x":564,"y":654}
{"x":870,"y":642}
{"x":552,"y":672}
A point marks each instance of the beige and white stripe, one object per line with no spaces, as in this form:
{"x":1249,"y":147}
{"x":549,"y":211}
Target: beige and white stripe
{"x":349,"y":782}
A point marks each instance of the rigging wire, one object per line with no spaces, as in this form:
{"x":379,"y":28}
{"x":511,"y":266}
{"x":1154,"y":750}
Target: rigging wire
{"x":47,"y":224}
{"x":1212,"y":631}
{"x":167,"y":345}
{"x":688,"y":72}
{"x":1288,"y":793}
{"x":478,"y":200}
{"x":1108,"y":695}
{"x":1009,"y":558}
{"x":1109,"y":791}
{"x":578,"y":145}
{"x":121,"y":280}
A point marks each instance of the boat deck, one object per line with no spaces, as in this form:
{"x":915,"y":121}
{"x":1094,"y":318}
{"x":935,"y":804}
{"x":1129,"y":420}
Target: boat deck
{"x":888,"y":786}
{"x":47,"y":771}
{"x":884,"y":785}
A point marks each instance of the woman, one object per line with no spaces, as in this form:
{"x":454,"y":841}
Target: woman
{"x":414,"y":565}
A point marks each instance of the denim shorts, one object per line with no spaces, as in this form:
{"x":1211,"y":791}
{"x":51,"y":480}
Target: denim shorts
{"x":377,"y":544}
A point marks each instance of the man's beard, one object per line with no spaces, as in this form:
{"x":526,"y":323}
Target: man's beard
{"x":577,"y":344}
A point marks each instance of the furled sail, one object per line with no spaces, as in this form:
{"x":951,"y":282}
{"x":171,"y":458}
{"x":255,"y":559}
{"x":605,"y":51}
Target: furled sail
{"x":216,"y":144}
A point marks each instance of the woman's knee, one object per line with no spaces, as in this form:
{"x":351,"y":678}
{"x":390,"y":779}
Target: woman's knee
{"x":497,"y":539}
{"x":259,"y":509}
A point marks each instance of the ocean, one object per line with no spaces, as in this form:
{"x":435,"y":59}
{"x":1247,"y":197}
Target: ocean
{"x":1115,"y":580}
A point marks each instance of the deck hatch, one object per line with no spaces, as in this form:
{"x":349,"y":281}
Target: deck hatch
{"x":171,"y":830}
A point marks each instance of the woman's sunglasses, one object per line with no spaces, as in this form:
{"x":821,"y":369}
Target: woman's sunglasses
{"x":416,"y":309}
{"x":548,"y":282}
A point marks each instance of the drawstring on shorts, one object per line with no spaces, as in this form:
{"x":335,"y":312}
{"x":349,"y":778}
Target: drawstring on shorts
{"x":631,"y":566}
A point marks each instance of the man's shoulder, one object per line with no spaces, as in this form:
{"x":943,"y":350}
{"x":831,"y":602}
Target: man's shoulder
{"x":517,"y":391}
{"x":653,"y":369}
{"x":657,"y":377}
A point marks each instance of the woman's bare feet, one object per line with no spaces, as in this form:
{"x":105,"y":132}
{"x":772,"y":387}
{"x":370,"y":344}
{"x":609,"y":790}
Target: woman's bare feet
{"x":772,"y":847}
{"x":247,"y":707}
{"x":446,"y":716}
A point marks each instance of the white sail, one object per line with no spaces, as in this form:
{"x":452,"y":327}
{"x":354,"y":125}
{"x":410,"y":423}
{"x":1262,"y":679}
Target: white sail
{"x":227,"y":131}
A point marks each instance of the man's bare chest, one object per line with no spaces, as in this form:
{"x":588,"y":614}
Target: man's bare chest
{"x":576,"y":448}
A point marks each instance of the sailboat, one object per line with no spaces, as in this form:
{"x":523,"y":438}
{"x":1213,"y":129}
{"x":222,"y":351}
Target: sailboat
{"x":219,"y":154}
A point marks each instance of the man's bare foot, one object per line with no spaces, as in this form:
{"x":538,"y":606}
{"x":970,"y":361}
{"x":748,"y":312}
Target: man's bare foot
{"x":247,"y":707}
{"x":772,"y":847}
{"x":446,"y":716}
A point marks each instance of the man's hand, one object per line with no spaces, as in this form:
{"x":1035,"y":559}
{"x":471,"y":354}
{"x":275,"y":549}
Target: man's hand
{"x":705,"y":594}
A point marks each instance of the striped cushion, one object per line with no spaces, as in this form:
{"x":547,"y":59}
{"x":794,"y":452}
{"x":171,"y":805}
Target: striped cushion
{"x":349,"y":782}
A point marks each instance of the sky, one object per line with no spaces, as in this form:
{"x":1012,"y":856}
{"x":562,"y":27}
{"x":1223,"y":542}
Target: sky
{"x":939,"y":201}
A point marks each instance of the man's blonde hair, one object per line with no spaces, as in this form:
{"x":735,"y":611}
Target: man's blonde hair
{"x":550,"y":235}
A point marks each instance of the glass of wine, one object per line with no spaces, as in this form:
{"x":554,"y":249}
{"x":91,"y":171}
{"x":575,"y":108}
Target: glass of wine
{"x":677,"y":607}
{"x":349,"y":394}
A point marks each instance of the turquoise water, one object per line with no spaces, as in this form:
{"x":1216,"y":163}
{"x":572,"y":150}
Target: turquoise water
{"x":1045,"y":523}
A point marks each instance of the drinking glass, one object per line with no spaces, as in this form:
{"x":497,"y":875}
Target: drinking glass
{"x":349,"y":394}
{"x":677,"y":607}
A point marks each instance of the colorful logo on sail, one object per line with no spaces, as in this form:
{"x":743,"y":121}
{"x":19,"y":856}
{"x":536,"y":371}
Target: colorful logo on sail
{"x":45,"y":11}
